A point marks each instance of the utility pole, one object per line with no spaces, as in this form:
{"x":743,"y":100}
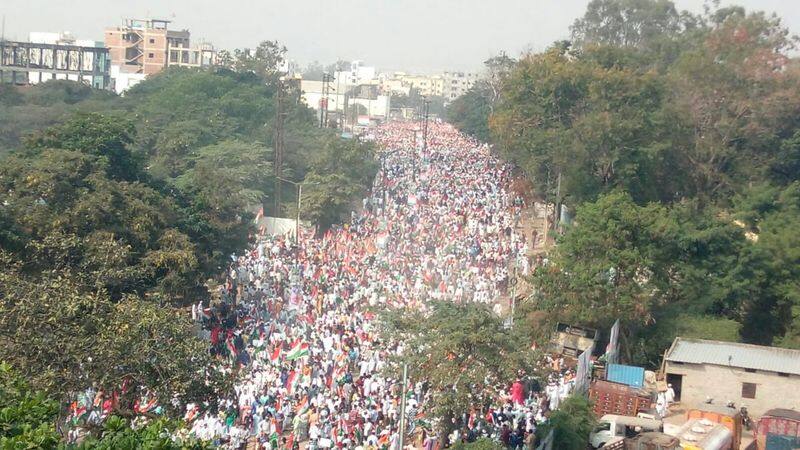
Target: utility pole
{"x":323,"y":109}
{"x":557,"y":212}
{"x":402,"y":430}
{"x":297,"y":222}
{"x":338,"y":92}
{"x":426,"y":109}
{"x":279,"y":142}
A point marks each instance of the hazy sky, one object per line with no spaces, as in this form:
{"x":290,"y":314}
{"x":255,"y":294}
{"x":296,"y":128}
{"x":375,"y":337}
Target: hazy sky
{"x":413,"y":35}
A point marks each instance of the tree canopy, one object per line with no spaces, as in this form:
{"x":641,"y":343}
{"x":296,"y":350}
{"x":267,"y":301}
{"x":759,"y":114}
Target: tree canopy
{"x":461,"y":351}
{"x":115,"y":212}
{"x":675,"y":138}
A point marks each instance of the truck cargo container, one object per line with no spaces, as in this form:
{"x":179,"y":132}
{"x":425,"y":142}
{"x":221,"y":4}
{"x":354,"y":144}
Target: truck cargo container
{"x":615,"y":398}
{"x":778,"y":429}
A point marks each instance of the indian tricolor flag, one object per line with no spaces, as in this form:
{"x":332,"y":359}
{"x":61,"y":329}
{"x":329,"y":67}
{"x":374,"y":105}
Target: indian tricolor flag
{"x":299,"y":349}
{"x":276,"y":354}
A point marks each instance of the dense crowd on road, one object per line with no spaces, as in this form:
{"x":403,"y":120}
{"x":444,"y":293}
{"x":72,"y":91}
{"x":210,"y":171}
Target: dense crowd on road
{"x":292,"y":323}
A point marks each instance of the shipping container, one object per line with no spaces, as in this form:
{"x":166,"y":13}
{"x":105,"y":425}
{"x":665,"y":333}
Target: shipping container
{"x":629,"y":375}
{"x":778,"y":429}
{"x":615,"y":398}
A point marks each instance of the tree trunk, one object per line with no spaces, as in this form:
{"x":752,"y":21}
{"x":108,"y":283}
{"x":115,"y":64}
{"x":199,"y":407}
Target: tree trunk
{"x":445,"y":430}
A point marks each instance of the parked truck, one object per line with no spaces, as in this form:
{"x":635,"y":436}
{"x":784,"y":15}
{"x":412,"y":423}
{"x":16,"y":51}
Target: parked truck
{"x":703,"y":434}
{"x":616,"y":398}
{"x":778,"y":429}
{"x":709,"y":427}
{"x":723,"y":415}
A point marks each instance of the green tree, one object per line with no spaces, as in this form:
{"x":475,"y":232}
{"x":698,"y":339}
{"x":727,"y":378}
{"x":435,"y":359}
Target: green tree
{"x":106,"y":137}
{"x":629,"y":23}
{"x":470,"y":113}
{"x":647,"y":265}
{"x":571,"y":423}
{"x":264,"y":61}
{"x":118,"y":434}
{"x":27,"y":417}
{"x":64,"y":340}
{"x":734,"y":136}
{"x":341,"y":172}
{"x":462,"y":351}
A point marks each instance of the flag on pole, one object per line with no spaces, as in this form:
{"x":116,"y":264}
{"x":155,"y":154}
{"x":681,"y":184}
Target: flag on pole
{"x":299,"y":349}
{"x":276,"y":355}
{"x":291,"y":381}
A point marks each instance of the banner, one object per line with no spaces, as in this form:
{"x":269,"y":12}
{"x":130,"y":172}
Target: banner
{"x":612,"y":350}
{"x":584,"y":372}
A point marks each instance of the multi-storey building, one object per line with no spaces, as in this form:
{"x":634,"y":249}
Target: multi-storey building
{"x":54,"y":56}
{"x":457,"y":84}
{"x":425,"y":85}
{"x":142,"y":47}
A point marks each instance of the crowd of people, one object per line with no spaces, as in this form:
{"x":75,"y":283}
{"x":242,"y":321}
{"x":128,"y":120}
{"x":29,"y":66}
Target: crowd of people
{"x":293,"y":326}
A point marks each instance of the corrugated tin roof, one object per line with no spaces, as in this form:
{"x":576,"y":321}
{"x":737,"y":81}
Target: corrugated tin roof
{"x":731,"y":354}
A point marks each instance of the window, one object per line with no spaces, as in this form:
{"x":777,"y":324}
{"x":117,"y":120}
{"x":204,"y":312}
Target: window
{"x":750,"y":370}
{"x":783,"y":374}
{"x":152,"y":41}
{"x":749,"y":390}
{"x":151,"y":55}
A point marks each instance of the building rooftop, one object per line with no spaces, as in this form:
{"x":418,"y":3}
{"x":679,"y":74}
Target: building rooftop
{"x":745,"y":356}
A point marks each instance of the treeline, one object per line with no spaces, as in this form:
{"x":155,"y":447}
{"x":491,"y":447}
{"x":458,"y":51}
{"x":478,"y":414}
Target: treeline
{"x":116,"y":212}
{"x":676,"y":137}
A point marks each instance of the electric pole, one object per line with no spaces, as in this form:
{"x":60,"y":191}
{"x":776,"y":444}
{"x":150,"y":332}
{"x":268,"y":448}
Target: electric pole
{"x":402,"y":430}
{"x":426,"y":108}
{"x":323,"y":109}
{"x":280,"y":117}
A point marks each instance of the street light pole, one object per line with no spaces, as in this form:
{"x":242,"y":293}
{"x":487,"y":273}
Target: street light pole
{"x":297,"y":222}
{"x":402,"y":430}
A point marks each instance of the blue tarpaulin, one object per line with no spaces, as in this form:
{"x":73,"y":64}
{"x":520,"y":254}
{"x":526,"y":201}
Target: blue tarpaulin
{"x":630,"y":375}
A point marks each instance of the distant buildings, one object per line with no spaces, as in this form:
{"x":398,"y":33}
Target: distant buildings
{"x":54,"y":56}
{"x":361,"y":94}
{"x":457,"y":84}
{"x":358,"y":74}
{"x":142,"y":47}
{"x":347,"y":103}
{"x":424,"y":84}
{"x":449,"y":85}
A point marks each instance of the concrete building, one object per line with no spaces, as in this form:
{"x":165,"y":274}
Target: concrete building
{"x":457,"y":84}
{"x":358,"y":74}
{"x":424,"y":84}
{"x":142,"y":47}
{"x":341,"y":99}
{"x":54,"y":56}
{"x":762,"y":378}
